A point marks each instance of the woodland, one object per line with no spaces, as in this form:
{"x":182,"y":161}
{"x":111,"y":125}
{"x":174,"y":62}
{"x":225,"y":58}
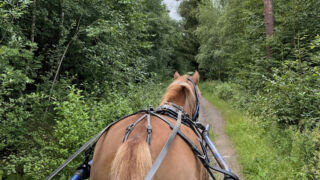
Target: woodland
{"x":70,"y":67}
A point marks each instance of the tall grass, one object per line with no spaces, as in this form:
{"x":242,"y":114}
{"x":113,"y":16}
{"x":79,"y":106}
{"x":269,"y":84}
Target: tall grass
{"x":265,"y":152}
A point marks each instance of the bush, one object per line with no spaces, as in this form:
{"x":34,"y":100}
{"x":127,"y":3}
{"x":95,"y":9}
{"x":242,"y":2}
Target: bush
{"x":146,"y":95}
{"x":78,"y":117}
{"x":224,"y":91}
{"x":276,"y":146}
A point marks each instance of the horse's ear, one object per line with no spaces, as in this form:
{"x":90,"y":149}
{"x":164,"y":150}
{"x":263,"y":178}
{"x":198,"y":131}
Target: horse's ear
{"x":195,"y":77}
{"x":176,"y":75}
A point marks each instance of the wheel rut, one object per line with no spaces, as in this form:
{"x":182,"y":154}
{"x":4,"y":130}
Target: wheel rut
{"x":210,"y":115}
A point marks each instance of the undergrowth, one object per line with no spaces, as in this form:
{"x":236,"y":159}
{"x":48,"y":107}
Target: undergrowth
{"x":266,"y":150}
{"x":78,"y":117}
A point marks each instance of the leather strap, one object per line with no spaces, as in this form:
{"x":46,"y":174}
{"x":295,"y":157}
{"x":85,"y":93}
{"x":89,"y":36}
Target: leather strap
{"x":149,"y":129}
{"x":196,"y":114}
{"x":164,"y":150}
{"x":131,"y":126}
{"x":193,"y":147}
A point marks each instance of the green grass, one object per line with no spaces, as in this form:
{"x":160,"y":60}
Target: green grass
{"x":259,"y":155}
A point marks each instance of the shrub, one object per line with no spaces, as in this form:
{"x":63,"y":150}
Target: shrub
{"x":222,"y":90}
{"x":78,"y":117}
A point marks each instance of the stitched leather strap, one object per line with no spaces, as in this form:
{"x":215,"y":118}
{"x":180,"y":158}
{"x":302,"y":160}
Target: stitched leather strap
{"x":164,"y":150}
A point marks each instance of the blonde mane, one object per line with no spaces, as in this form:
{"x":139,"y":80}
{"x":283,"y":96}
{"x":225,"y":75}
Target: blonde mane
{"x":178,"y":88}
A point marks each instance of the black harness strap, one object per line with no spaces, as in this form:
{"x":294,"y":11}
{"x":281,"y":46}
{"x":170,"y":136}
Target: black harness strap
{"x":227,"y":173}
{"x":193,"y":147}
{"x":149,"y":129}
{"x":164,"y":150}
{"x":202,"y":157}
{"x":131,"y":126}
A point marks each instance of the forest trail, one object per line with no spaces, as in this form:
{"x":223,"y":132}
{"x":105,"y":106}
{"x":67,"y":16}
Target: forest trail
{"x":210,"y":115}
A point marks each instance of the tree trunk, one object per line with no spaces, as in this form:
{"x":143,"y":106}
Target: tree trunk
{"x":61,"y":18}
{"x":33,"y":26}
{"x":269,"y":22}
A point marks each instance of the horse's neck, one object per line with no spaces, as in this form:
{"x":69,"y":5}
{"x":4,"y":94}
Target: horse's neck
{"x":178,"y":98}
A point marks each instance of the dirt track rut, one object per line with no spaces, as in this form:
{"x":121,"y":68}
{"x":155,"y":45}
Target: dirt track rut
{"x":210,"y":115}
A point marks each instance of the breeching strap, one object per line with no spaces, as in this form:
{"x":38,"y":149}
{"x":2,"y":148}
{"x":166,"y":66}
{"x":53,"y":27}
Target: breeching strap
{"x":164,"y":150}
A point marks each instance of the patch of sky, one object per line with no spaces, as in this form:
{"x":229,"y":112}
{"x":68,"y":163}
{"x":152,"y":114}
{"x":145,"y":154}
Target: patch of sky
{"x":172,"y":6}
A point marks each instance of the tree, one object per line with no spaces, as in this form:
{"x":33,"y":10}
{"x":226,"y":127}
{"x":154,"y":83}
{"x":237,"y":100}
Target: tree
{"x":269,"y":22}
{"x":104,"y":49}
{"x":188,"y":10}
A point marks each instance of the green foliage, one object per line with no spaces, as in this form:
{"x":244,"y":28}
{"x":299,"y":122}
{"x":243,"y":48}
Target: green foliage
{"x":146,"y":95}
{"x":232,"y":38}
{"x":88,"y":64}
{"x":224,"y":91}
{"x":189,"y":43}
{"x":230,"y":34}
{"x":17,"y":64}
{"x":78,"y":118}
{"x":265,"y":149}
{"x":107,"y":51}
{"x":293,"y":94}
{"x":282,"y":90}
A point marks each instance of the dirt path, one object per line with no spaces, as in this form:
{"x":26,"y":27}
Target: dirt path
{"x":210,"y":115}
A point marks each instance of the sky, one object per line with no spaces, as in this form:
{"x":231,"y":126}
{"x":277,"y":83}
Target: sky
{"x":172,"y":6}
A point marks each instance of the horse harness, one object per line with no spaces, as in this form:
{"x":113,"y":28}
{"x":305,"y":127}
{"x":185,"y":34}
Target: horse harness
{"x":168,"y":109}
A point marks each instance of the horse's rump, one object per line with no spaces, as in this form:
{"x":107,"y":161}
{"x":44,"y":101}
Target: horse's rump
{"x":132,"y":159}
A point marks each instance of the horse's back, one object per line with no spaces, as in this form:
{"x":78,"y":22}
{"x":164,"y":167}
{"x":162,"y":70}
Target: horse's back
{"x":179,"y":163}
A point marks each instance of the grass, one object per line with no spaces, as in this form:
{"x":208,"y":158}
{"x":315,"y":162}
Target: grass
{"x":259,"y":155}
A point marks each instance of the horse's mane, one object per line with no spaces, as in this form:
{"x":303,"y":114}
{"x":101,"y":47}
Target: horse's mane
{"x":174,"y":90}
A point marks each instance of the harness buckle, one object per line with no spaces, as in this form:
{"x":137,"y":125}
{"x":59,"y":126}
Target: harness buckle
{"x":200,"y":125}
{"x":129,"y":128}
{"x":128,"y":131}
{"x":150,"y":109}
{"x":179,"y":108}
{"x":203,"y":157}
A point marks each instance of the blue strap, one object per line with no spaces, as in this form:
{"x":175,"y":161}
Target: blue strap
{"x":196,"y":114}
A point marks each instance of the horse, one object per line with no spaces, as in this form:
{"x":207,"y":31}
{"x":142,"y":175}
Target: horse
{"x":114,"y":159}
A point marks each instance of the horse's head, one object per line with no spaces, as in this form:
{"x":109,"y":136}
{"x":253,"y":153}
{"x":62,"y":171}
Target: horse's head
{"x":182,"y":91}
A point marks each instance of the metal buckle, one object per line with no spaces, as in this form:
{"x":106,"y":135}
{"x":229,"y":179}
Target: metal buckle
{"x":201,"y":156}
{"x":129,"y":128}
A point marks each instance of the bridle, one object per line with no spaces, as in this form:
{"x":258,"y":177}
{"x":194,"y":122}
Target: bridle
{"x":171,"y":110}
{"x":196,"y":114}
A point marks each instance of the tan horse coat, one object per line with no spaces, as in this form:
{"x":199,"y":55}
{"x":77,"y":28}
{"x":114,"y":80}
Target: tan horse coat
{"x":133,"y":159}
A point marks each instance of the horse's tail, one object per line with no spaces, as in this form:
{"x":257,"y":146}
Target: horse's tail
{"x":132,"y":161}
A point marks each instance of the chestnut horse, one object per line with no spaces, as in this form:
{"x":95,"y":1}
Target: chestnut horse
{"x":117,"y":160}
